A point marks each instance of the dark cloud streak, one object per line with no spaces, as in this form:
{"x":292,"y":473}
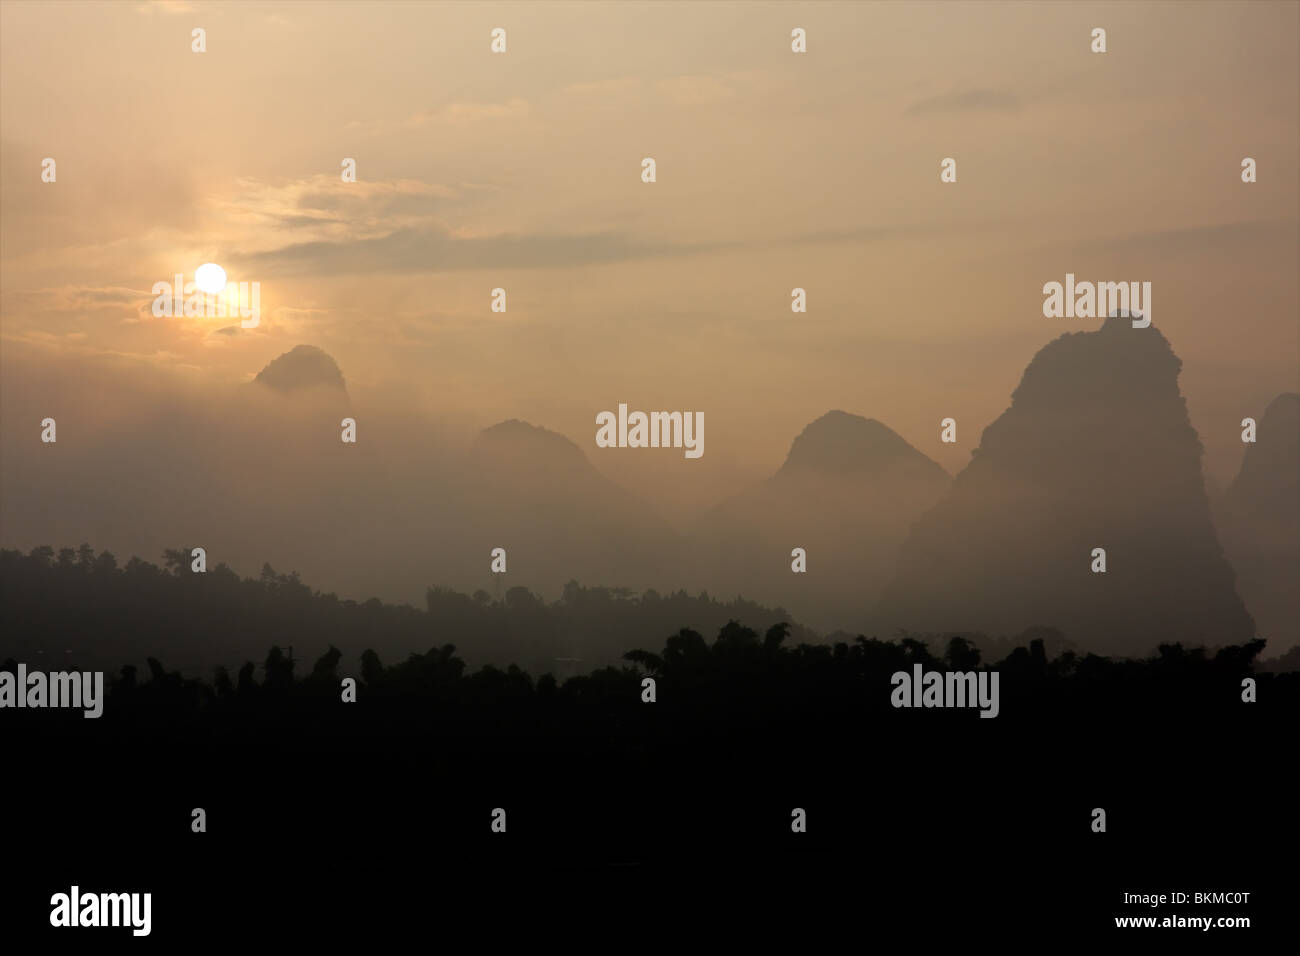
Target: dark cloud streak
{"x":992,"y":101}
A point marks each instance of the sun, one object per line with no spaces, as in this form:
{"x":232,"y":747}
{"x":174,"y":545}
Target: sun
{"x":210,"y":278}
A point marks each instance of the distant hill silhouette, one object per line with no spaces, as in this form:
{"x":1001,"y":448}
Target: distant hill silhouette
{"x":521,"y":444}
{"x":536,"y":494}
{"x":847,"y":494}
{"x":1096,"y":451}
{"x":257,"y":473}
{"x":303,"y":366}
{"x":60,"y":605}
{"x":1259,"y":520}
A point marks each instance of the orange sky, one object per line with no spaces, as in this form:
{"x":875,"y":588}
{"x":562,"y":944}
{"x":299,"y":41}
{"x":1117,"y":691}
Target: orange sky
{"x":775,"y":170}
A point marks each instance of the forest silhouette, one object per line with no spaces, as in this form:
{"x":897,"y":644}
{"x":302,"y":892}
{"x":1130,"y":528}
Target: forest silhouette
{"x":748,"y":723}
{"x":1096,"y":450}
{"x":764,"y":673}
{"x":76,"y":605}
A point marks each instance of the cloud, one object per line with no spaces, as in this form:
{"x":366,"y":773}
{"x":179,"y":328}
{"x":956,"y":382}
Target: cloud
{"x":324,"y":194}
{"x":701,"y":90}
{"x":296,"y":222}
{"x":1190,"y":240}
{"x":71,"y":305}
{"x":323,"y":208}
{"x":685,"y":90}
{"x":438,"y":250}
{"x":41,"y":337}
{"x":613,"y":86}
{"x":458,"y":114}
{"x":96,"y":196}
{"x":866,"y":234}
{"x":76,"y":298}
{"x":991,"y":101}
{"x":166,"y":6}
{"x":471,"y":112}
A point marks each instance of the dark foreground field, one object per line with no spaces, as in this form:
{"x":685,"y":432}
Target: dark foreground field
{"x":372,"y":820}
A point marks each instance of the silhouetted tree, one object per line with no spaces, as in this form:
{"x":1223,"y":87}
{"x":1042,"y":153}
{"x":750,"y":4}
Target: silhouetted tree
{"x":279,"y":671}
{"x":247,"y":687}
{"x":325,"y":667}
{"x":372,"y":670}
{"x":962,"y":655}
{"x":775,"y":636}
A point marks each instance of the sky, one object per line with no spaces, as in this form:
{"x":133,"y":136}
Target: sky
{"x":775,"y":170}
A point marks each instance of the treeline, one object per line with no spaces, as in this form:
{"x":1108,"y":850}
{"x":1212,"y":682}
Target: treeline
{"x":738,"y":678}
{"x":73,"y":610}
{"x":78,"y":605}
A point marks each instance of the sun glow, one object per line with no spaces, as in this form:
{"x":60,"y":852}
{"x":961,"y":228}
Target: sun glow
{"x":210,"y":278}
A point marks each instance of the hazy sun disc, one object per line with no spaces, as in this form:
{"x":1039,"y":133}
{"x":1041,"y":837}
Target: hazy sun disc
{"x":210,"y":278}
